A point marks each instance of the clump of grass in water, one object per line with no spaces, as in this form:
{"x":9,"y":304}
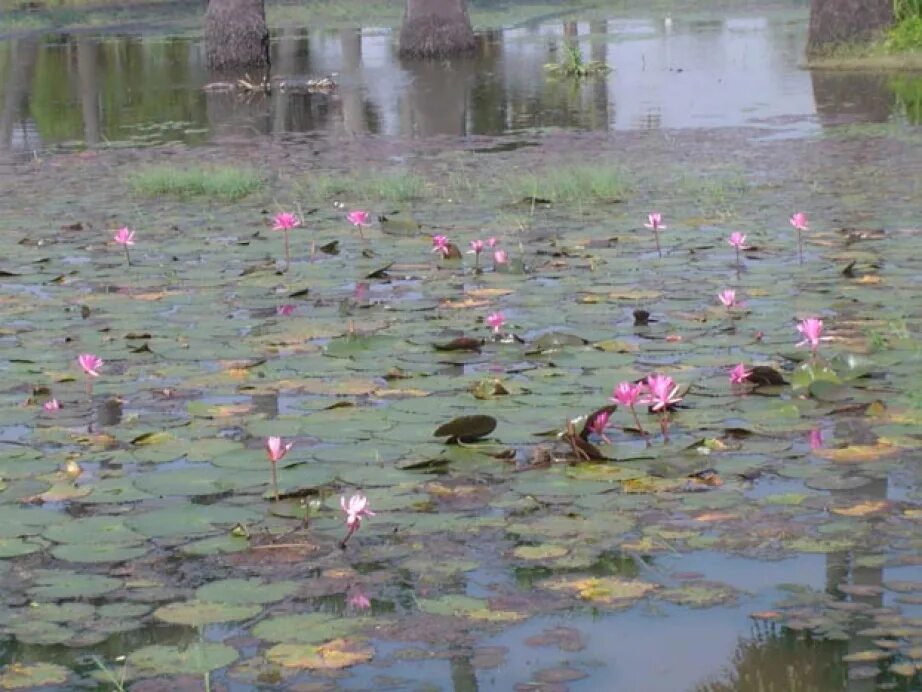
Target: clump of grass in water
{"x":576,"y":183}
{"x":573,"y":65}
{"x":366,"y":185}
{"x":223,"y":182}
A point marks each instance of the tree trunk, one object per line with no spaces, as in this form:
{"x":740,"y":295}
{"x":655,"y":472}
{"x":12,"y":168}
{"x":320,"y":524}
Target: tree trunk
{"x":834,"y":22}
{"x":236,"y":35}
{"x":435,"y":28}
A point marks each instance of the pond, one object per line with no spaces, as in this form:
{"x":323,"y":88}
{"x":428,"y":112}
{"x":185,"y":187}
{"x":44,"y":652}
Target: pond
{"x":761,"y":534}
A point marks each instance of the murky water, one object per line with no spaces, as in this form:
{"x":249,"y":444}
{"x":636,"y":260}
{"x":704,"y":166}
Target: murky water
{"x":736,"y":68}
{"x":798,"y":540}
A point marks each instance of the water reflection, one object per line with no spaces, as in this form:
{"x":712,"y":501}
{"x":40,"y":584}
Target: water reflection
{"x":721,"y":71}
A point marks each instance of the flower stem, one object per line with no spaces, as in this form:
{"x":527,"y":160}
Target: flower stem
{"x":287,"y":252}
{"x":89,"y":387}
{"x":659,"y":250}
{"x":348,"y":536}
{"x":637,"y":421}
{"x":127,"y":256}
{"x":275,"y":480}
{"x":664,"y":425}
{"x":800,"y":245}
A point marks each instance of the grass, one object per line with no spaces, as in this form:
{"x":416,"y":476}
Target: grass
{"x":373,"y":185}
{"x":573,"y":65}
{"x":573,"y":183}
{"x":228,"y":183}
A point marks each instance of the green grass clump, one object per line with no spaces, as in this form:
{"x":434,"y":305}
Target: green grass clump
{"x":906,"y":35}
{"x":575,"y":183}
{"x":368,"y":185}
{"x":573,"y":65}
{"x":227,"y":183}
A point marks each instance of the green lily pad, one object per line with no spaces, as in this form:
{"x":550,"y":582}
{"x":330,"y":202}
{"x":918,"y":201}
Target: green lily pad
{"x":196,"y":613}
{"x":18,"y":676}
{"x":196,"y":659}
{"x":246,"y":591}
{"x":307,"y":628}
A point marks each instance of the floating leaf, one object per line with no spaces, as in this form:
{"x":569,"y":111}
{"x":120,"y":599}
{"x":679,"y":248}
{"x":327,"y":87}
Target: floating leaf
{"x":245,"y":591}
{"x":333,"y":655}
{"x":196,"y":613}
{"x":196,"y":659}
{"x":466,"y":428}
{"x":17,"y":676}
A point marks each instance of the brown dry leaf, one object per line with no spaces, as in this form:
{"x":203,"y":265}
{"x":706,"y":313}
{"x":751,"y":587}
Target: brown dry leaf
{"x":716,"y":516}
{"x":488,"y":292}
{"x":229,"y":410}
{"x":634,"y":294}
{"x":400,"y":393}
{"x":766,"y":615}
{"x":608,"y":590}
{"x":870,"y":279}
{"x":862,"y":509}
{"x":464,"y":304}
{"x":154,"y":295}
{"x":856,"y":454}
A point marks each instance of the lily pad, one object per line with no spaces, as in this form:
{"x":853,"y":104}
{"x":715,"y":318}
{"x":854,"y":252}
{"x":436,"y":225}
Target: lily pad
{"x":197,"y":613}
{"x":196,"y":659}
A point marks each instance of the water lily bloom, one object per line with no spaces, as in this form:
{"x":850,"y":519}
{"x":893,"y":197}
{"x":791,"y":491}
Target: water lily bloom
{"x":357,"y":599}
{"x":275,"y":450}
{"x":123,"y":236}
{"x":737,"y":240}
{"x":739,"y":374}
{"x":816,"y":438}
{"x":811,"y":329}
{"x":662,"y":392}
{"x":476,"y":247}
{"x":500,"y":257}
{"x":284,"y":310}
{"x":628,"y":394}
{"x":654,"y":221}
{"x":728,"y":298}
{"x":51,"y":405}
{"x":598,"y":425}
{"x":355,"y":509}
{"x":285,"y":221}
{"x":492,"y":242}
{"x":90,"y":364}
{"x":440,"y":245}
{"x":496,"y":321}
{"x":359,"y":218}
{"x":799,"y":221}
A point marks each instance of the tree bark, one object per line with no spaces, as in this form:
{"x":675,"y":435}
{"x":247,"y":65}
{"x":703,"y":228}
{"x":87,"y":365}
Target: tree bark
{"x":834,"y":22}
{"x":435,"y":29}
{"x":236,"y":35}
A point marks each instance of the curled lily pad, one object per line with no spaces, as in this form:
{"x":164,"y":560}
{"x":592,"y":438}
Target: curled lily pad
{"x":466,"y":428}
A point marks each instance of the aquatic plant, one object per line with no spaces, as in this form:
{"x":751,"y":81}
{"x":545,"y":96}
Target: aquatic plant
{"x":476,"y":248}
{"x":573,"y":64}
{"x":359,"y":219}
{"x":125,"y":238}
{"x":728,"y":298}
{"x":629,"y":394}
{"x":799,"y":222}
{"x":440,"y":244}
{"x":661,"y":394}
{"x":276,"y":451}
{"x":812,"y":330}
{"x":51,"y":405}
{"x":655,"y":223}
{"x":738,"y":241}
{"x":227,"y":183}
{"x":495,"y":321}
{"x":739,"y":374}
{"x":500,"y":257}
{"x":284,"y":222}
{"x":90,"y":365}
{"x":355,"y":509}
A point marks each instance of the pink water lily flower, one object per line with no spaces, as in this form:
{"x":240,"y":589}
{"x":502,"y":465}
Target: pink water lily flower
{"x":811,"y":329}
{"x":496,"y":321}
{"x":816,"y":438}
{"x":284,"y":310}
{"x":662,"y":392}
{"x":737,"y":240}
{"x":476,"y":247}
{"x":358,"y":600}
{"x":275,"y":450}
{"x":500,"y":257}
{"x":799,"y":221}
{"x":51,"y":405}
{"x":739,"y":374}
{"x":492,"y":242}
{"x":123,"y":236}
{"x":598,"y":425}
{"x":628,"y":394}
{"x":359,"y":218}
{"x":728,"y":298}
{"x":355,"y":509}
{"x":654,"y":221}
{"x":440,"y":245}
{"x":90,"y":363}
{"x":285,"y":221}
